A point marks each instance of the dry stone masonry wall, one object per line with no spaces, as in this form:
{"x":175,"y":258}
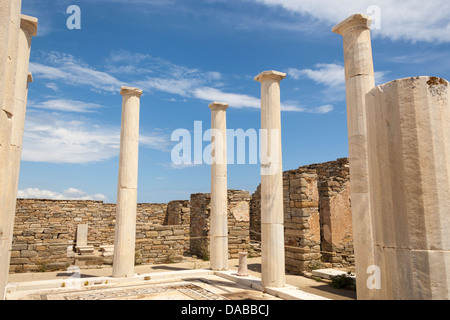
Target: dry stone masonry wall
{"x":317,"y":216}
{"x":238,"y":223}
{"x":45,"y":231}
{"x":317,"y":221}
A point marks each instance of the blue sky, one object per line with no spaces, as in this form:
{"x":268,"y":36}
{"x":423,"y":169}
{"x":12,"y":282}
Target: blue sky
{"x":185,"y":54}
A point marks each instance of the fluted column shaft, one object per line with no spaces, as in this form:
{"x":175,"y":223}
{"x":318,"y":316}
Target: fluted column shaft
{"x":359,"y":75}
{"x":5,"y":14}
{"x":125,"y":230}
{"x":219,"y":189}
{"x":28,"y":29}
{"x":272,"y":212}
{"x":9,"y":36}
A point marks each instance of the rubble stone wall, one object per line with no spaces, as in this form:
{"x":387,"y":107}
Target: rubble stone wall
{"x":45,"y":230}
{"x":317,"y":216}
{"x":317,"y":211}
{"x":238,"y":223}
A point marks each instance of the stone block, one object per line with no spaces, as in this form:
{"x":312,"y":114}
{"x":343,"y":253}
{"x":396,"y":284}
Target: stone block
{"x":28,"y":254}
{"x":85,"y":250}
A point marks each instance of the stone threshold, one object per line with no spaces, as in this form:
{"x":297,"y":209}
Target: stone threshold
{"x":286,"y":293}
{"x":93,"y":282}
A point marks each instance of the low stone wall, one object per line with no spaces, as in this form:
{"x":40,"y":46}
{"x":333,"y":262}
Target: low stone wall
{"x":317,"y":216}
{"x":178,"y":213}
{"x":335,"y":213}
{"x":200,"y":225}
{"x":46,"y":229}
{"x":238,"y":223}
{"x":301,"y":220}
{"x":161,"y":244}
{"x":317,"y":212}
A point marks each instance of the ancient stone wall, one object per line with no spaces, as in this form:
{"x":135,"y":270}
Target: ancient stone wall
{"x":335,"y":213}
{"x":238,"y":223}
{"x":200,"y":224}
{"x":318,"y":226}
{"x":301,"y":219}
{"x":317,"y":216}
{"x":46,"y":229}
{"x":160,"y":243}
{"x":178,"y":213}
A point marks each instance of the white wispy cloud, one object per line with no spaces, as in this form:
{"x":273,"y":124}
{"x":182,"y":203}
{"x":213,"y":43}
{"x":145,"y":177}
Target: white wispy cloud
{"x":64,"y":105}
{"x":412,"y":20}
{"x":233,"y":99}
{"x":331,"y":77}
{"x":69,"y":194}
{"x":64,"y":138}
{"x":71,"y":71}
{"x":236,"y":100}
{"x":53,"y":86}
{"x":160,"y":75}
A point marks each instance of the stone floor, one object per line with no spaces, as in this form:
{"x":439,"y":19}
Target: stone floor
{"x":205,"y":288}
{"x":189,"y":280}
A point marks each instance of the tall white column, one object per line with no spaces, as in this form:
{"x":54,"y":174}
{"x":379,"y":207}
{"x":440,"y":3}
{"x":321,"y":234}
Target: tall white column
{"x":28,"y":29}
{"x":272,"y":212}
{"x":359,"y":75}
{"x":12,"y":52}
{"x":5,"y":14}
{"x":9,"y":35}
{"x":409,"y":164}
{"x":219,"y":189}
{"x":125,"y":232}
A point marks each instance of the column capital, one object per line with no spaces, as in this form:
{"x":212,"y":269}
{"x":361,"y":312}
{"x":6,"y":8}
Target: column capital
{"x":29,"y":24}
{"x":270,"y":75}
{"x":357,"y":21}
{"x":129,"y":91}
{"x":218,"y":106}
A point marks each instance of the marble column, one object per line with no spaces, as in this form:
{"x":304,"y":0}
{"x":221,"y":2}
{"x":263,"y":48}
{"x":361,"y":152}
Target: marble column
{"x":28,"y":29}
{"x":125,"y":230}
{"x":243,"y":267}
{"x":12,"y":52}
{"x":359,"y":76}
{"x":219,"y":189}
{"x":409,"y":165}
{"x":5,"y":13}
{"x":9,"y":35}
{"x":272,"y":212}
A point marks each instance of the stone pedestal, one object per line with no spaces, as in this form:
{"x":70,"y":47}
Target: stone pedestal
{"x":243,"y":268}
{"x":408,"y":134}
{"x":107,"y":251}
{"x":219,"y":190}
{"x":272,"y":215}
{"x":125,"y":232}
{"x":82,"y":246}
{"x":359,"y":75}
